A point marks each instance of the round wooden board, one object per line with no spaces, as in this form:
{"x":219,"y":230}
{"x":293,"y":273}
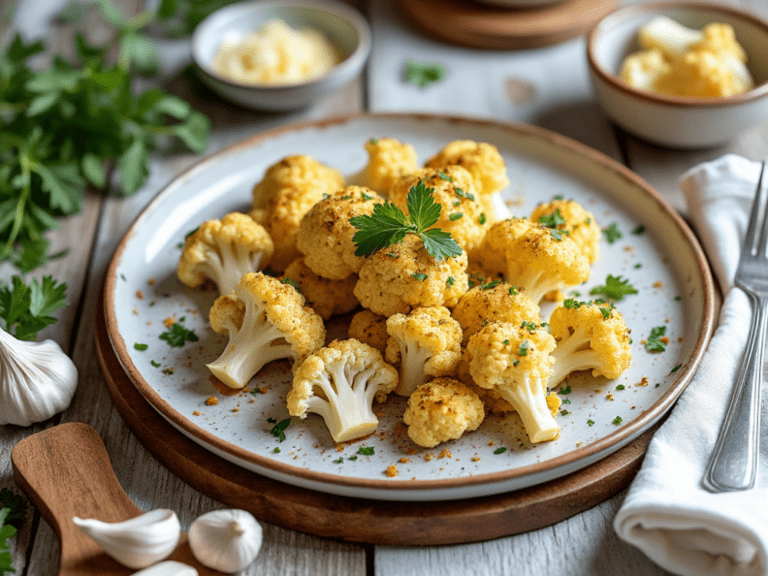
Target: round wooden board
{"x":358,"y":520}
{"x":481,"y":26}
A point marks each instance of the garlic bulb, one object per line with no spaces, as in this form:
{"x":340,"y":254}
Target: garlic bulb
{"x":168,"y":568}
{"x":138,"y":542}
{"x":37,"y":380}
{"x":225,"y":540}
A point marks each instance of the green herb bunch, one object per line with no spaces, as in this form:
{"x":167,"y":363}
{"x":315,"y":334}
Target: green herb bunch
{"x":65,"y":127}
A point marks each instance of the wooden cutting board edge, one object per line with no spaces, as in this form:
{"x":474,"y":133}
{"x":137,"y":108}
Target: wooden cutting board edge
{"x":359,"y":520}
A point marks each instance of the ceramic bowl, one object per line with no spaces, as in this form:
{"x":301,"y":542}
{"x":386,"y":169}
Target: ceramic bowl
{"x":669,"y":120}
{"x":346,"y":28}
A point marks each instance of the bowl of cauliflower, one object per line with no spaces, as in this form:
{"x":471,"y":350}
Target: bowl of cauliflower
{"x":689,"y":75}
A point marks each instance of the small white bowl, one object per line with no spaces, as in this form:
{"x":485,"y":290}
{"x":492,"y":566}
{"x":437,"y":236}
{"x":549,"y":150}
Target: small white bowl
{"x":669,"y":120}
{"x":345,"y":27}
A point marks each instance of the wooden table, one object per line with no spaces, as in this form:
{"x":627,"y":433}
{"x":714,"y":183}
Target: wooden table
{"x":548,"y":87}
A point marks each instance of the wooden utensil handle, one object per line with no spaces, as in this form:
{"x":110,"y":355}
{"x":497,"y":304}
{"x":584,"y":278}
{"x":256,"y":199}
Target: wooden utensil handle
{"x":65,"y":471}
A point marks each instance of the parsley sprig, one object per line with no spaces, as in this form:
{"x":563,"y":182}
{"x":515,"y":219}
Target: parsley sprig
{"x":423,"y":74}
{"x":615,"y":288}
{"x":389,"y":225}
{"x":26,"y":309}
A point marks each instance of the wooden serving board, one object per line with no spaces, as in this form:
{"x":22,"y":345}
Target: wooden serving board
{"x":358,"y":520}
{"x":482,"y":26}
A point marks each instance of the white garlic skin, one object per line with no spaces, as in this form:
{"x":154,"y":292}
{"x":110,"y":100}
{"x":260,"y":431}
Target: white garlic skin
{"x":225,"y":540}
{"x":138,"y":542}
{"x":37,"y":380}
{"x":168,"y":568}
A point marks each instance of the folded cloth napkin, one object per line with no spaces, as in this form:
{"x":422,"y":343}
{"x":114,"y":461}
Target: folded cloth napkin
{"x":667,"y":513}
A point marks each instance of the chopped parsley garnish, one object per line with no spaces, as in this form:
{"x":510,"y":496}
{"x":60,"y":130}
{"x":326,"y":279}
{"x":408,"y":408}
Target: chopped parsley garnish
{"x":524,"y":347}
{"x":353,"y":458}
{"x":177,"y":335}
{"x":392,"y":255}
{"x":291,"y":282}
{"x":564,"y":412}
{"x":188,"y":234}
{"x":639,"y":230}
{"x":451,"y":281}
{"x":278,"y":430}
{"x":346,"y":198}
{"x":620,"y":387}
{"x":366,"y":451}
{"x":155,"y":364}
{"x":138,"y":346}
{"x":500,"y":450}
{"x":514,"y":291}
{"x":566,"y":401}
{"x":276,"y":450}
{"x":557,"y":234}
{"x":461,"y":194}
{"x":612,"y":233}
{"x":482,"y":219}
{"x":490,"y":285}
{"x":419,"y":276}
{"x":455,"y":216}
{"x":339,"y":460}
{"x":617,"y":420}
{"x":553,"y":220}
{"x":374,"y":141}
{"x":530,"y":326}
{"x":638,"y":265}
{"x":388,"y":225}
{"x":515,"y":362}
{"x":366,"y":196}
{"x":572,"y":303}
{"x":615,"y":288}
{"x":677,"y":298}
{"x":675,"y":369}
{"x":444,"y":176}
{"x":653,"y":343}
{"x":558,"y":197}
{"x":423,"y":74}
{"x":506,"y":342}
{"x":590,"y":422}
{"x":566,"y":390}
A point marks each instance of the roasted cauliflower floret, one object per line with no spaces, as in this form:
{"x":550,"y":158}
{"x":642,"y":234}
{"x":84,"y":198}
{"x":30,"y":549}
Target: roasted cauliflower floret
{"x":339,"y":382}
{"x":590,"y":336}
{"x":487,"y":168}
{"x":426,"y":342}
{"x":441,"y":410}
{"x":325,"y":233}
{"x":453,"y":188}
{"x":515,"y":361}
{"x":266,"y":320}
{"x":224,"y":251}
{"x":286,"y":193}
{"x":570,"y":217}
{"x":369,"y":328}
{"x":535,"y":258}
{"x":388,"y":160}
{"x":494,"y":402}
{"x":404,"y":276}
{"x":326,"y":297}
{"x":494,"y":300}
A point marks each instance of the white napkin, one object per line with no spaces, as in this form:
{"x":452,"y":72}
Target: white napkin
{"x":667,"y":513}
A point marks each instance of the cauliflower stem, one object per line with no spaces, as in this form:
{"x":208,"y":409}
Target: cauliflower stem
{"x":412,"y":369}
{"x":346,"y":409}
{"x":529,"y":400}
{"x":574,"y":353}
{"x":257,"y":343}
{"x":536,"y":282}
{"x":227,"y":265}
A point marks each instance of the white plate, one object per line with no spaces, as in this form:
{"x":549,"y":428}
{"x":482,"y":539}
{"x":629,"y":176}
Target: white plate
{"x":665,"y":263}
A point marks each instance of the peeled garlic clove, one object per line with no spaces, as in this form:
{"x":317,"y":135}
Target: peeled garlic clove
{"x":138,"y":542}
{"x":225,"y":540}
{"x":168,"y":568}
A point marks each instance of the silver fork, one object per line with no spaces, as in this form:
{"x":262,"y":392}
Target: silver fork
{"x":733,"y":464}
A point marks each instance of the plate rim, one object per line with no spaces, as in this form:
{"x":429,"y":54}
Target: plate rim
{"x":618,"y":438}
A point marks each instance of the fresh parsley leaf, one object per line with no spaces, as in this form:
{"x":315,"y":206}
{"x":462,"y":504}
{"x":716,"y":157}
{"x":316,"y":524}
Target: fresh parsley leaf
{"x":590,"y":422}
{"x":26,"y":309}
{"x":455,"y":216}
{"x":7,"y":530}
{"x":612,"y":233}
{"x":276,"y":450}
{"x":500,"y":450}
{"x":140,"y":347}
{"x":620,"y":387}
{"x":675,"y":369}
{"x":419,"y":277}
{"x":554,"y":220}
{"x":654,"y":342}
{"x":524,"y":347}
{"x":366,"y":451}
{"x":278,"y":430}
{"x":155,"y":364}
{"x":423,"y":74}
{"x":639,"y":230}
{"x":617,"y":420}
{"x":177,"y":335}
{"x":615,"y":288}
{"x":566,"y":390}
{"x":292,"y":282}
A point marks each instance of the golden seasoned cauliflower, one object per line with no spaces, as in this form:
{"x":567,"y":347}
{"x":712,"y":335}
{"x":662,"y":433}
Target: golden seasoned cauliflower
{"x":426,"y":342}
{"x":590,"y":336}
{"x":494,"y":300}
{"x":388,"y":160}
{"x":535,"y":258}
{"x":288,"y":190}
{"x":369,"y":328}
{"x":224,"y":251}
{"x":571,"y":218}
{"x":487,"y":167}
{"x":340,"y":382}
{"x":325,"y":233}
{"x":326,"y":297}
{"x":441,"y":410}
{"x":453,"y":188}
{"x":266,"y":320}
{"x":516,"y":362}
{"x":404,"y":276}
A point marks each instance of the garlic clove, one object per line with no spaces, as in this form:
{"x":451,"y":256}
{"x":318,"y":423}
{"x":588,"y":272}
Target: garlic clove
{"x":37,"y":380}
{"x":138,"y":542}
{"x":168,"y":568}
{"x":225,"y":540}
